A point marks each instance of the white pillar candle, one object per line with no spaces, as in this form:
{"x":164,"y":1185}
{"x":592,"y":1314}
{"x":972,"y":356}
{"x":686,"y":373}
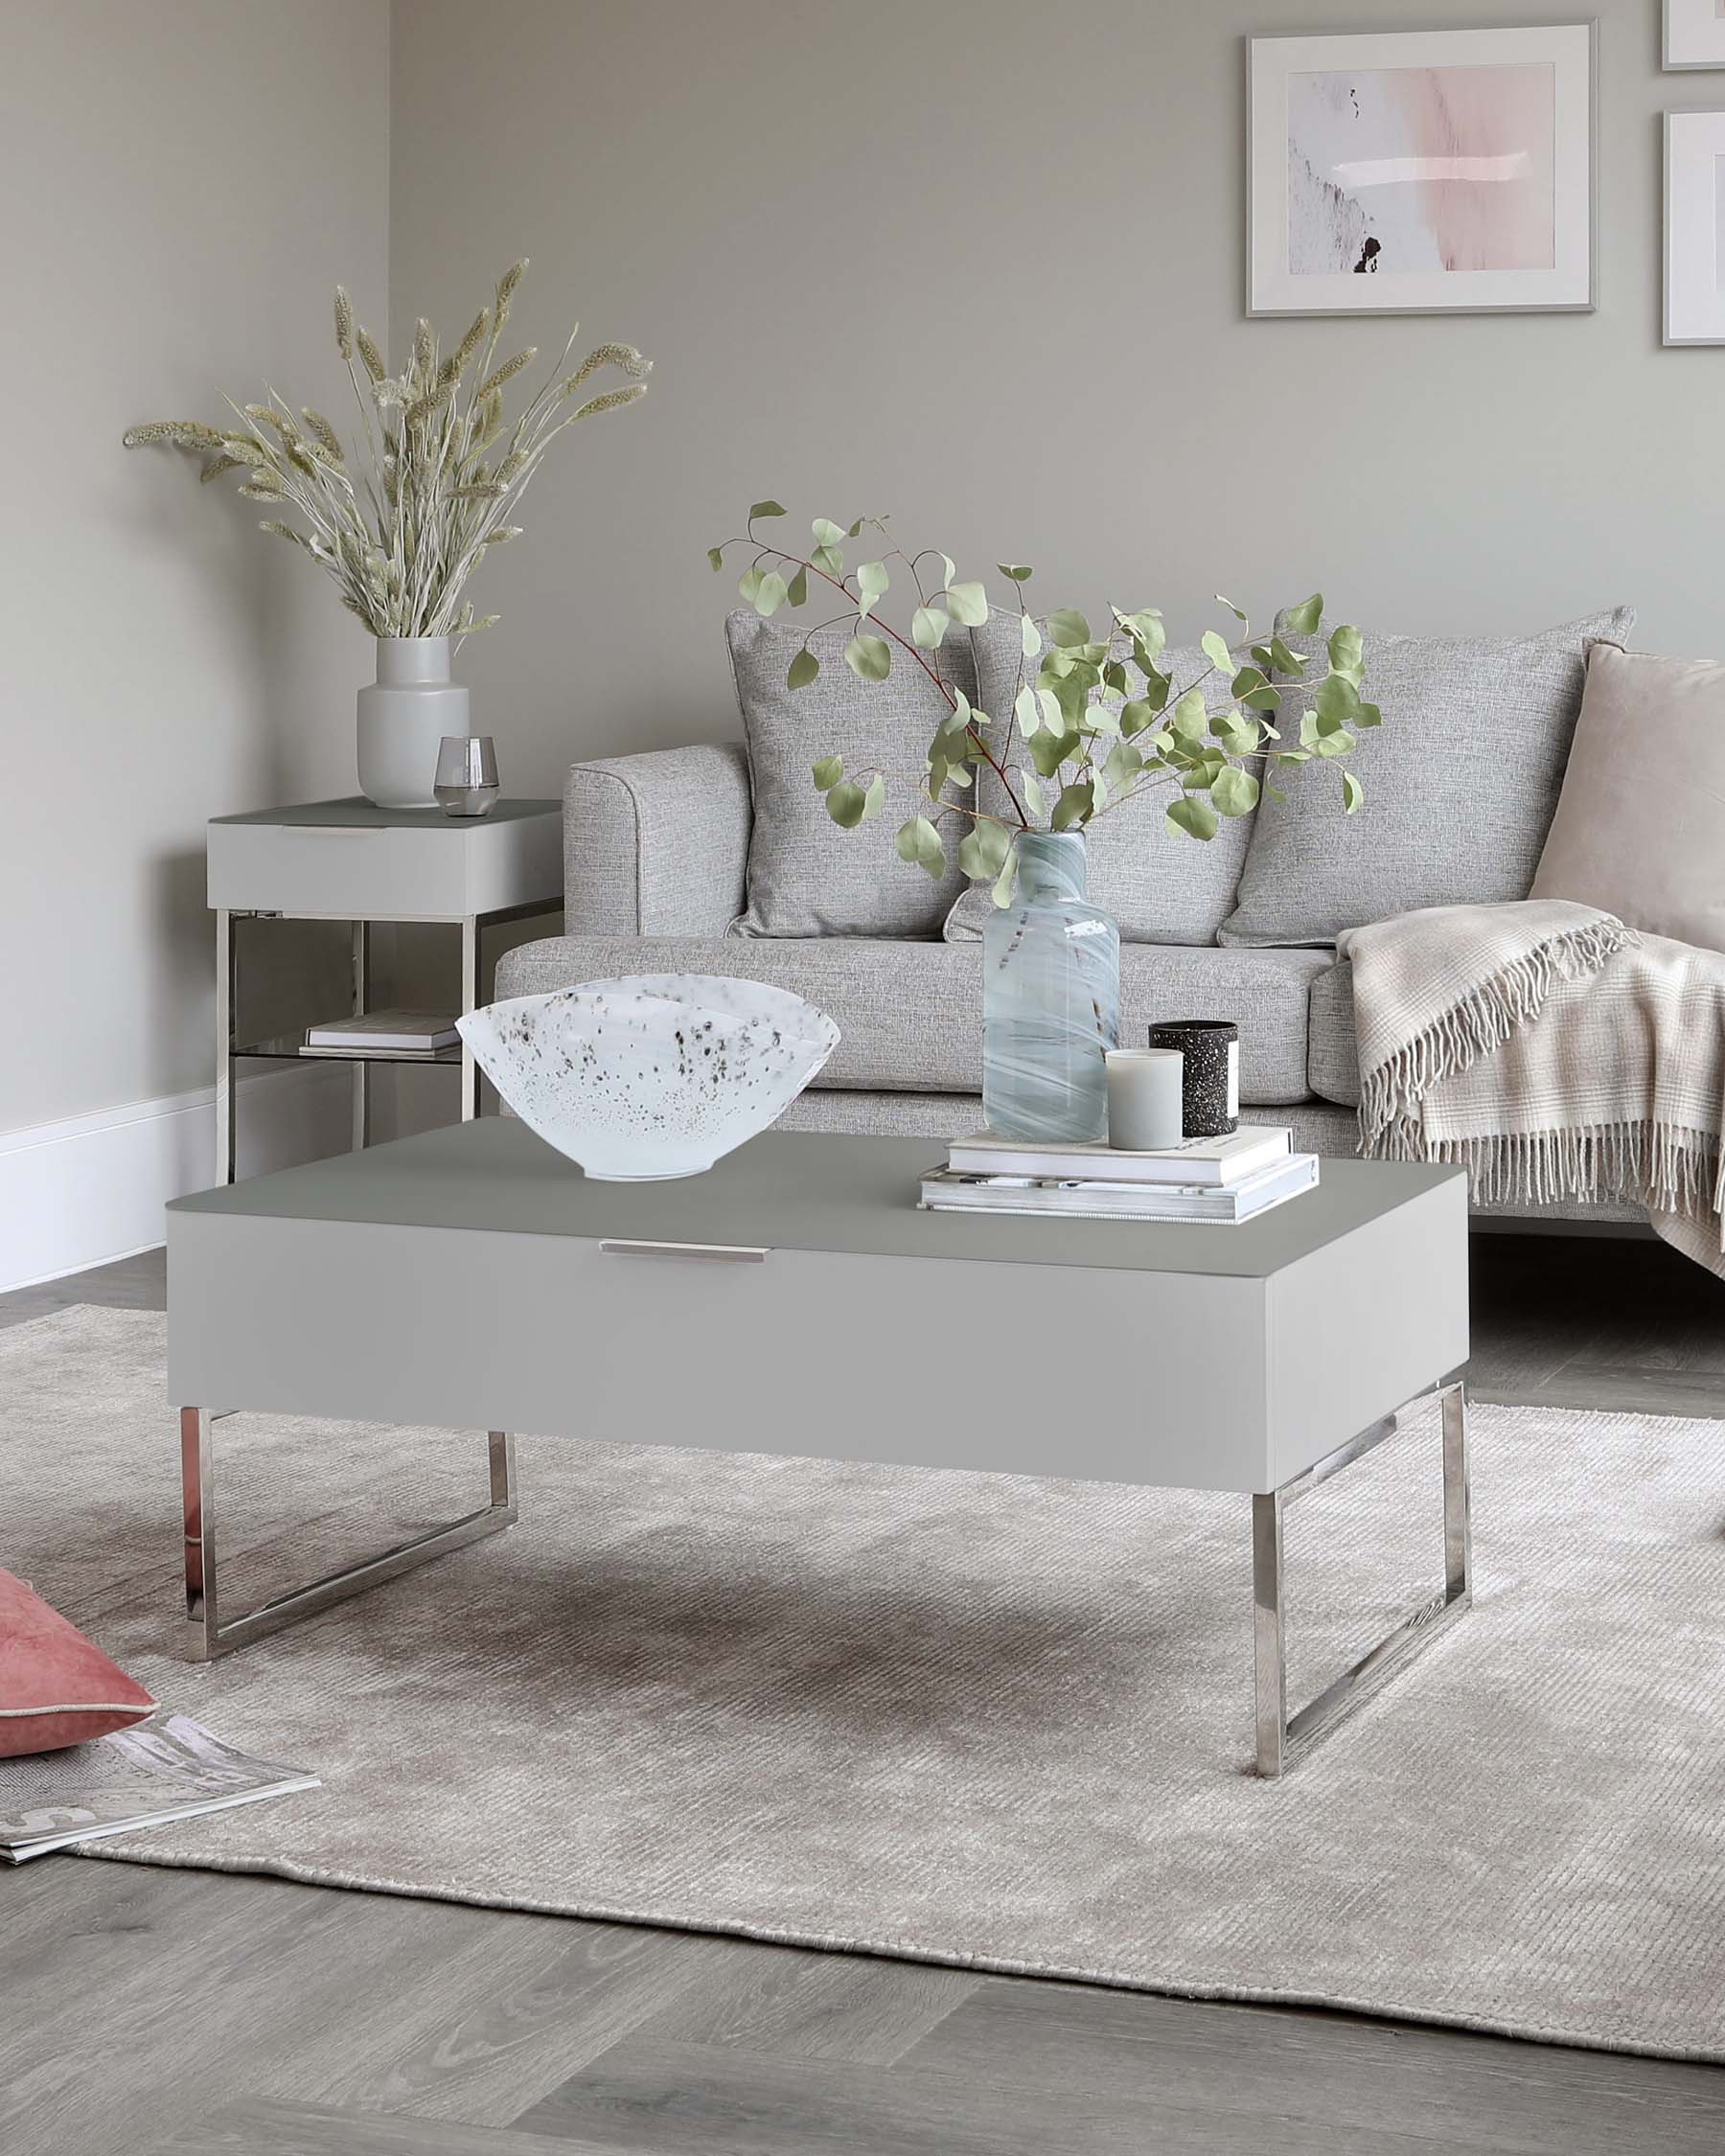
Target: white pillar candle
{"x":1144,"y":1099}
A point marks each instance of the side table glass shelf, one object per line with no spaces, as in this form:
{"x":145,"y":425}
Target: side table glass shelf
{"x":347,"y":861}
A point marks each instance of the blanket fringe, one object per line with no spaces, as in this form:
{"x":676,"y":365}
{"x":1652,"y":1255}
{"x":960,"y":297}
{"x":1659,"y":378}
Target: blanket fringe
{"x":1478,"y":1025}
{"x":1661,"y":1165}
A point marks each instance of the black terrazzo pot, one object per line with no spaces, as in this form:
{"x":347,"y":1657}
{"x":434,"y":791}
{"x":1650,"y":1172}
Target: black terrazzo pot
{"x":1212,"y":1091}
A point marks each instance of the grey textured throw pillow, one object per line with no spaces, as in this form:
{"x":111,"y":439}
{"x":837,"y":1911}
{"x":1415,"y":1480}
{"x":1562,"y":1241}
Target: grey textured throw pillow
{"x":806,"y":876}
{"x":1161,"y":886}
{"x":1459,"y":781}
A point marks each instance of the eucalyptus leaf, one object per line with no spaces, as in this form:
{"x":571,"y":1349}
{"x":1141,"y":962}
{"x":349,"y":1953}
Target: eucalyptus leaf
{"x":1077,"y":801}
{"x":716,"y":556}
{"x":1016,"y":570}
{"x":983,"y":850}
{"x":1337,"y":702}
{"x":1348,"y":654}
{"x":1233,"y":793}
{"x":829,"y":561}
{"x":748,"y":584}
{"x":1191,"y":815}
{"x":828,"y":772}
{"x":766,"y":509}
{"x":1068,"y":626}
{"x":871,"y":656}
{"x":969,"y":603}
{"x":1134,"y":717}
{"x":770,"y":594}
{"x":920,"y":843}
{"x":928,"y":626}
{"x":1369,"y":715}
{"x":1029,"y":636}
{"x":802,"y":670}
{"x":1285,"y":660}
{"x":845,"y":804}
{"x":1216,"y":649}
{"x":826,"y":532}
{"x":1333,"y":744}
{"x":1049,"y":750}
{"x":1353,"y":792}
{"x":1031,"y":788}
{"x":1190,"y":718}
{"x":1007,"y":881}
{"x":874,"y":796}
{"x":1026,"y":711}
{"x":872,"y":577}
{"x":1302,"y":620}
{"x":1223,"y":599}
{"x":851,"y":530}
{"x":1049,"y":704}
{"x":798,"y":589}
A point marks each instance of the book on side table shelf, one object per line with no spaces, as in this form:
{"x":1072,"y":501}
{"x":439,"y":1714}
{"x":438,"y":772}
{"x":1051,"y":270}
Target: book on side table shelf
{"x":399,"y":1032}
{"x":1222,"y":1180}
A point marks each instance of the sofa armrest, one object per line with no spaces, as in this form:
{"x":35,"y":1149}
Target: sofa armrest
{"x":657,"y":844}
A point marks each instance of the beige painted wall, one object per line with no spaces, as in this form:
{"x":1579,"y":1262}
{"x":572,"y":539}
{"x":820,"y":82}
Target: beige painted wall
{"x":978,"y":262}
{"x":181,"y":183}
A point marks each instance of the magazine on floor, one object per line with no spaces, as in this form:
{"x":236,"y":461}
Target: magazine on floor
{"x":168,"y":1768}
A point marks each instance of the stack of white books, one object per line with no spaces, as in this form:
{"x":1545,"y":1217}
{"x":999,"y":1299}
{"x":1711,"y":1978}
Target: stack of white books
{"x":401,"y":1033}
{"x":1222,"y":1180}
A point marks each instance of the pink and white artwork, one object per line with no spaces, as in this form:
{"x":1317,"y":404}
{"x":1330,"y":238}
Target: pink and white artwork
{"x":1422,"y":172}
{"x":1397,"y":171}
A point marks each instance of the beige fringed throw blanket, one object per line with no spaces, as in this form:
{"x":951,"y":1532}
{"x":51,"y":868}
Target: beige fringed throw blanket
{"x":1551,"y":1051}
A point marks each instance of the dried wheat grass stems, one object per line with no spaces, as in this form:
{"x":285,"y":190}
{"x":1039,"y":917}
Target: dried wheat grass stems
{"x":402,"y":527}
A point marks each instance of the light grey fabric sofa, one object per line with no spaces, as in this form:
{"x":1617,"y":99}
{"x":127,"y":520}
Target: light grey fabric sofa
{"x":656,"y":853}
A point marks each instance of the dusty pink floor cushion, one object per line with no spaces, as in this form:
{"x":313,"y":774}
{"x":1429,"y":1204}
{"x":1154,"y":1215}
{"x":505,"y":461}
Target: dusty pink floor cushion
{"x":56,"y":1686}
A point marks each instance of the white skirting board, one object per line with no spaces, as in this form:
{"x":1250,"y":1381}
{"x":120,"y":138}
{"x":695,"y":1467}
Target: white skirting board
{"x":78,"y":1193}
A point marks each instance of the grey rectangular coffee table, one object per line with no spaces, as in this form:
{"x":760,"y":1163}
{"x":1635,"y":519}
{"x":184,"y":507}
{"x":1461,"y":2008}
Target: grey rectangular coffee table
{"x":474,"y":1278}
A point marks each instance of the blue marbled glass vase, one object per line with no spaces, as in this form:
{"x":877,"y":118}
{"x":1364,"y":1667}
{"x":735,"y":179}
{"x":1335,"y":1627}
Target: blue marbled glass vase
{"x":1050,"y":1000}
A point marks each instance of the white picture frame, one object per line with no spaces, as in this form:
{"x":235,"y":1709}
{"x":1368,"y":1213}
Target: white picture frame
{"x":1694,"y":228}
{"x":1695,"y":35}
{"x":1455,"y":160}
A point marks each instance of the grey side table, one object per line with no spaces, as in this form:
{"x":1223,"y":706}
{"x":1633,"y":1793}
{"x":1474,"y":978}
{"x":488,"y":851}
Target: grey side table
{"x":348,"y":861}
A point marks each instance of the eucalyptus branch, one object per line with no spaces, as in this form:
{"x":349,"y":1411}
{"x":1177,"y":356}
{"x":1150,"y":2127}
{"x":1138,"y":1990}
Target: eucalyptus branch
{"x":1079,"y":720}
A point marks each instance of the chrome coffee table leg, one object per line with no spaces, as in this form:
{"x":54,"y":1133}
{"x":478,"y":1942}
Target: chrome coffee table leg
{"x":1281,"y":1736}
{"x":212,"y":1635}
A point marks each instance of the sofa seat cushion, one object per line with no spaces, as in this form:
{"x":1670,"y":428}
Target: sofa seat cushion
{"x":910,"y":1014}
{"x":1333,"y":1057}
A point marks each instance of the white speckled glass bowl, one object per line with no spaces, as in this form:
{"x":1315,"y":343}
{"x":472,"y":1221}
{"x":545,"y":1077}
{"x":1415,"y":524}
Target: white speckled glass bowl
{"x":655,"y":1075}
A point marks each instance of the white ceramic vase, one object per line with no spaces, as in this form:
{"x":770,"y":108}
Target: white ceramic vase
{"x":403,"y":716}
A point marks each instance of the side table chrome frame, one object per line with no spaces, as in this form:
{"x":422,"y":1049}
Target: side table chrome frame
{"x":212,"y":1635}
{"x":1282,"y":1737}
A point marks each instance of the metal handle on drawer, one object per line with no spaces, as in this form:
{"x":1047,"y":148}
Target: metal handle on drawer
{"x":722,"y":1253}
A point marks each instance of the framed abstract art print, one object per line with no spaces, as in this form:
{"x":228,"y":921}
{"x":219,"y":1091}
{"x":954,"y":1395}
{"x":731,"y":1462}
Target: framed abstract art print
{"x":1694,"y":207}
{"x":1421,"y":171}
{"x":1695,"y":34}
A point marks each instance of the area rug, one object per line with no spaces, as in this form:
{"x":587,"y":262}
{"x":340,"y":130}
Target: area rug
{"x":986,"y":1721}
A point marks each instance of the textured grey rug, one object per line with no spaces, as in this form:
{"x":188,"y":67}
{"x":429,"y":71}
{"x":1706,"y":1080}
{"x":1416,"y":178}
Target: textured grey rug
{"x":961,"y":1718}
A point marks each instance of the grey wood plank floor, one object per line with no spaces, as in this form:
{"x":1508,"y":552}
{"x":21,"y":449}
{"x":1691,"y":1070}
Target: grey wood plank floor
{"x":195,"y":2015}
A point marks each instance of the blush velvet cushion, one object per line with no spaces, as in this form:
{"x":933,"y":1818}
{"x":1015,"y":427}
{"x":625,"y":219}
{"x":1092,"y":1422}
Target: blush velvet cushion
{"x":57,"y":1687}
{"x":1640,"y":827}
